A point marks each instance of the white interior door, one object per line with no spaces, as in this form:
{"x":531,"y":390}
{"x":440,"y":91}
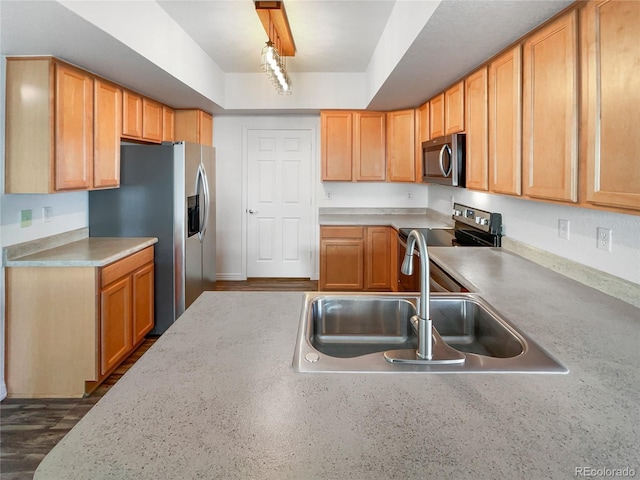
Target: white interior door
{"x":279,"y":203}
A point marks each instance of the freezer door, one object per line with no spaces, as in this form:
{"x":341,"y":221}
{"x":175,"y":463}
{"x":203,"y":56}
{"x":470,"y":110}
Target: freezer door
{"x":193,"y":246}
{"x":209,"y":217}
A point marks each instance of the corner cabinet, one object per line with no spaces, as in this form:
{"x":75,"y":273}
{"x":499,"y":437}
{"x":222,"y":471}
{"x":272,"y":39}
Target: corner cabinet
{"x":356,"y":258}
{"x":610,"y":59}
{"x":550,"y":111}
{"x":64,"y":342}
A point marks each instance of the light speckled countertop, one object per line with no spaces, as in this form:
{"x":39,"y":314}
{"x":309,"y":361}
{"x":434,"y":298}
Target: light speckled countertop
{"x":87,"y":252}
{"x":216,"y":396}
{"x":396,"y":218}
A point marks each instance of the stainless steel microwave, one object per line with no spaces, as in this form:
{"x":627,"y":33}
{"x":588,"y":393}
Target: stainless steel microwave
{"x":443,"y":160}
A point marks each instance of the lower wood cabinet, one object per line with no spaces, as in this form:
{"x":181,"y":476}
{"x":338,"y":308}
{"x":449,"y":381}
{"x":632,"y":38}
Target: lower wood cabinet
{"x":356,"y":258}
{"x":68,"y":328}
{"x":126,"y":307}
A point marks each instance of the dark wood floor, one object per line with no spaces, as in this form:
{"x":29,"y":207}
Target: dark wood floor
{"x":30,"y":428}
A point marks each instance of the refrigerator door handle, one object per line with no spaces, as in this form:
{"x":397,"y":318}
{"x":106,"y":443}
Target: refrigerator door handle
{"x":202,"y":175}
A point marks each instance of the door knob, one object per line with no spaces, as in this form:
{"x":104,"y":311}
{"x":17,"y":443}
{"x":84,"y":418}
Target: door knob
{"x":252,"y":211}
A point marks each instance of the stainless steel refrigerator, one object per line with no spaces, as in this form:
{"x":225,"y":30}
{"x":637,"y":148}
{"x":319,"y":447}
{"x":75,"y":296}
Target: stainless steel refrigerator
{"x":166,"y":191}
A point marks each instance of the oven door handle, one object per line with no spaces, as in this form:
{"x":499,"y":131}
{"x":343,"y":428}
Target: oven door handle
{"x":441,"y":160}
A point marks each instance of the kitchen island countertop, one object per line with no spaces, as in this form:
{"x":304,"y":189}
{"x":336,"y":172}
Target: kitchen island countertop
{"x":216,"y":396}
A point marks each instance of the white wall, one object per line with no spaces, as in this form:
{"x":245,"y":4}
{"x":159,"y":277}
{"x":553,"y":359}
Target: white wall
{"x":231,"y":193}
{"x":536,"y":224}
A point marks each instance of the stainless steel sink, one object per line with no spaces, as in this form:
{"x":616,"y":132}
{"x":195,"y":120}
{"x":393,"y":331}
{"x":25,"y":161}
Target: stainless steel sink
{"x":351,"y":332}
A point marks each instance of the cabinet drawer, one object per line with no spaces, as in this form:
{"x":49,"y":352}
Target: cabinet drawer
{"x":342,"y":232}
{"x":127,"y":265}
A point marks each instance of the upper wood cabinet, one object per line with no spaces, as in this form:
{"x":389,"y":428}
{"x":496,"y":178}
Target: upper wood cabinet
{"x":62,"y":128}
{"x":141,"y":117}
{"x":168,"y":122}
{"x":436,"y":116}
{"x":193,"y":125}
{"x":64,"y":125}
{"x":151,"y":120}
{"x":505,"y":123}
{"x":477,"y":122}
{"x":611,"y":84}
{"x":107,"y":129}
{"x":74,"y":128}
{"x":446,"y":112}
{"x":550,"y":111}
{"x":422,"y":135}
{"x":369,"y":146}
{"x":336,"y":145}
{"x":352,"y":145}
{"x":454,"y":109}
{"x":401,"y":146}
{"x":131,"y":115}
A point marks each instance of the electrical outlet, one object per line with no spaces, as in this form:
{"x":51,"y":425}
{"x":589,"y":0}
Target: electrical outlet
{"x":25,"y":218}
{"x":409,"y":195}
{"x":327,"y":195}
{"x":604,"y":239}
{"x":563,"y":229}
{"x":47,"y":213}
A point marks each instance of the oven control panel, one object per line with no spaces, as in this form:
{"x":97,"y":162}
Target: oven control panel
{"x":479,"y":219}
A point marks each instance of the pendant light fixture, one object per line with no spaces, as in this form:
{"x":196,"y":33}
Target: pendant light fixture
{"x":279,"y":46}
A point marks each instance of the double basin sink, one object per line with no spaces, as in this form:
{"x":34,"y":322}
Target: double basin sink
{"x":352,"y":332}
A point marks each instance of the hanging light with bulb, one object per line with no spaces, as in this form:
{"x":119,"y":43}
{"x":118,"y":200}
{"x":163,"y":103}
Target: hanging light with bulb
{"x":278,"y":47}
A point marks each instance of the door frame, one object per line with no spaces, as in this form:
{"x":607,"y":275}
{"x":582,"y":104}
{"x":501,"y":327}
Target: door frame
{"x":313,"y":181}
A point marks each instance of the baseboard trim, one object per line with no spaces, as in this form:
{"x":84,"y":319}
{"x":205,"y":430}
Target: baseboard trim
{"x":233,"y":277}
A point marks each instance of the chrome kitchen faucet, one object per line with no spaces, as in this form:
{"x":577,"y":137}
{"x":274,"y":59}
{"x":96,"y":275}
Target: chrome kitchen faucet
{"x":424,"y":354}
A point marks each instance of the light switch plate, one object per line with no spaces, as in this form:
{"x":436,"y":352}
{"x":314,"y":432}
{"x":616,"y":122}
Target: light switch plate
{"x":47,"y":213}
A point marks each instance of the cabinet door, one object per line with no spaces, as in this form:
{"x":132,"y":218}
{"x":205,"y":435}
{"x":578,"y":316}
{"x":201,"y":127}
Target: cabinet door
{"x":550,"y":111}
{"x":131,"y":114}
{"x":378,"y":261}
{"x":454,"y":109}
{"x":422,"y":135}
{"x":341,"y":258}
{"x":142,"y":302}
{"x":151,"y":120}
{"x":505,"y":123}
{"x":115,"y":323}
{"x":336,"y":143}
{"x":108,"y":128}
{"x":401,"y":146}
{"x":167,"y":124}
{"x":205,"y":129}
{"x":610,"y":39}
{"x":436,"y":116}
{"x":342,"y":264}
{"x":74,"y":129}
{"x":477,"y":123}
{"x":369,"y":146}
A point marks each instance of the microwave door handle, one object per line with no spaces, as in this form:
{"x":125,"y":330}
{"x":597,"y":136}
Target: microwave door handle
{"x":441,"y":160}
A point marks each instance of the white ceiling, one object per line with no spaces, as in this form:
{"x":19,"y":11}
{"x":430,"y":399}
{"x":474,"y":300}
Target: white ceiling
{"x":330,"y":36}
